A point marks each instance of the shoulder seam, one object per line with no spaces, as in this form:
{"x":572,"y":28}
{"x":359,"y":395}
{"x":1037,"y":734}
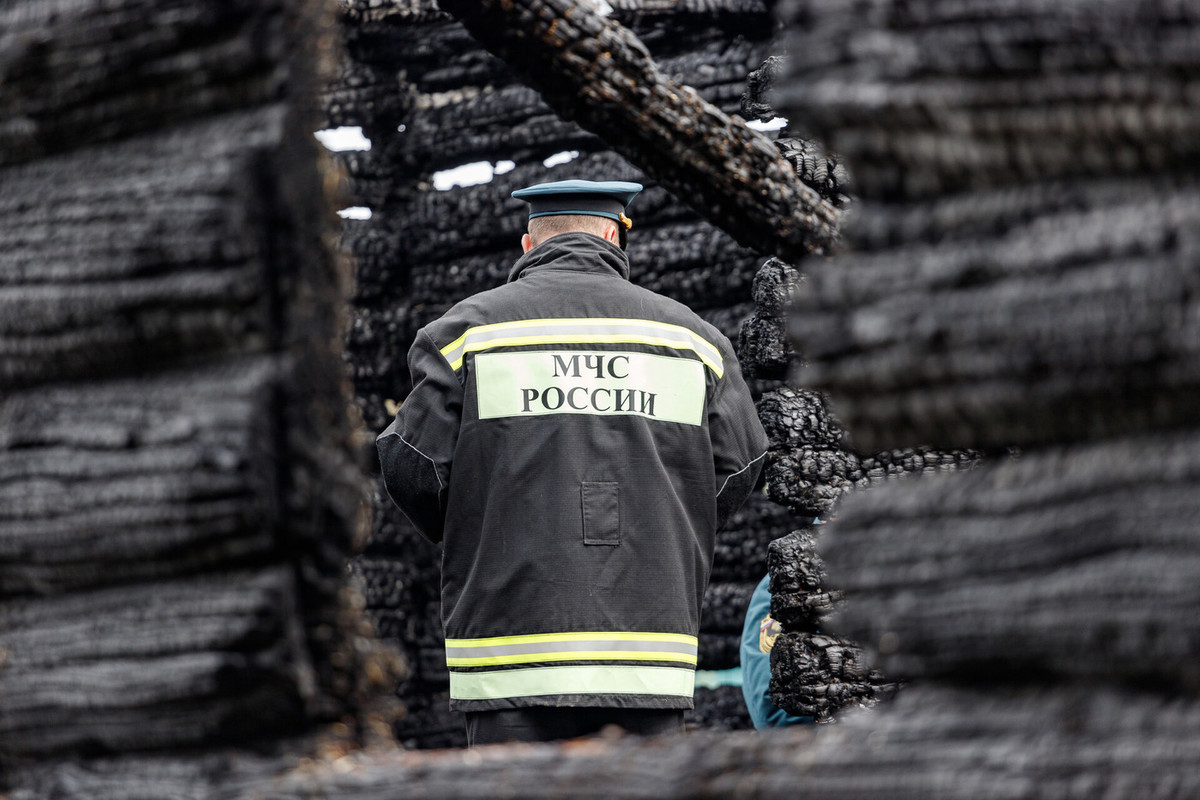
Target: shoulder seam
{"x":440,"y":351}
{"x":739,"y":472}
{"x":436,"y":474}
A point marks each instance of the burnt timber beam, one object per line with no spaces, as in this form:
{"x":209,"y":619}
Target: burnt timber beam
{"x":599,"y":74}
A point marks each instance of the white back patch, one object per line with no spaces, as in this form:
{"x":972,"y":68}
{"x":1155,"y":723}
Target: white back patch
{"x":603,"y":383}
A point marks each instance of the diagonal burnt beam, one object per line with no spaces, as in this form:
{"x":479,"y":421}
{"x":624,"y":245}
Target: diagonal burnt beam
{"x":600,"y":75}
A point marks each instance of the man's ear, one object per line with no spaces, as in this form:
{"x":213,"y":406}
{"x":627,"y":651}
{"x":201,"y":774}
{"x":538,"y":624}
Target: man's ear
{"x":612,"y":235}
{"x":526,"y":243}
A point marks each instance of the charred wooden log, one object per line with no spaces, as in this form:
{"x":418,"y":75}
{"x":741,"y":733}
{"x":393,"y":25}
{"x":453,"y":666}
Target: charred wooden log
{"x":794,"y":563}
{"x":1028,"y":224}
{"x":804,"y":611}
{"x":813,"y":672}
{"x":177,"y":266}
{"x":438,"y":55}
{"x":84,"y":71}
{"x":118,"y":481}
{"x":365,"y":95}
{"x":173,"y":558}
{"x":1052,"y":313}
{"x":1076,"y":562}
{"x":725,"y":606}
{"x":479,"y":120}
{"x":811,"y":464}
{"x":793,"y":418}
{"x":930,"y":98}
{"x":757,"y":101}
{"x":719,"y":650}
{"x":590,"y":69}
{"x":817,"y":675}
{"x":764,"y":349}
{"x":821,"y":171}
{"x":384,"y":582}
{"x":429,"y":722}
{"x":1089,"y":741}
{"x":697,"y":266}
{"x":741,"y":550}
{"x":176,"y":662}
{"x":483,"y":220}
{"x":799,"y":599}
{"x":729,"y":321}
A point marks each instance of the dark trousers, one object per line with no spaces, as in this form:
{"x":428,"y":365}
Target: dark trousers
{"x":547,"y":724}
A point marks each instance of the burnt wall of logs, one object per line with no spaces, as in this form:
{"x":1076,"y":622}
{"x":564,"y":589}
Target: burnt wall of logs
{"x":1020,"y":274}
{"x":177,"y":488}
{"x":811,"y":465}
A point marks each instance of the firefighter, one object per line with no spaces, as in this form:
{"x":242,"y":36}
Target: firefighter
{"x":576,"y":441}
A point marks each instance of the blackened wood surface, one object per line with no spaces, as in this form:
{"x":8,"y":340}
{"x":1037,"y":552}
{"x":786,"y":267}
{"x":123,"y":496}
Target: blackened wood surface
{"x":799,"y":599}
{"x":741,"y":550}
{"x":177,"y":492}
{"x":719,"y":709}
{"x":77,"y":71}
{"x":1042,"y":313}
{"x":811,"y":464}
{"x":1002,"y":743}
{"x":932,"y":97}
{"x":1027,"y":236}
{"x":763,"y":348}
{"x":818,"y":675}
{"x":1072,"y":563}
{"x":814,"y":672}
{"x":598,"y":73}
{"x":136,"y":479}
{"x":113,"y":263}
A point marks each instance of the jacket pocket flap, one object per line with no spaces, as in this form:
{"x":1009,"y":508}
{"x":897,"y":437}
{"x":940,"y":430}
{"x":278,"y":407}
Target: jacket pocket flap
{"x":601,"y":512}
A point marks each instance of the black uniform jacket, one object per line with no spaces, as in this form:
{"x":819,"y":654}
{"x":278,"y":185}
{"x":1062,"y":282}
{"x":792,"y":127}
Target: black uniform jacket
{"x":576,"y":441}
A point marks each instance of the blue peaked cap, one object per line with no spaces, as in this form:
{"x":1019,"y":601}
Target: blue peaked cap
{"x":597,"y":198}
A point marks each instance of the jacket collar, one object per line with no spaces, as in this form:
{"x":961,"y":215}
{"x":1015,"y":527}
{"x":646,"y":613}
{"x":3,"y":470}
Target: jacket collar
{"x":579,"y":252}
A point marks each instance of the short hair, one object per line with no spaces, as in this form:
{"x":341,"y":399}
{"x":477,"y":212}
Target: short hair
{"x":542,"y":228}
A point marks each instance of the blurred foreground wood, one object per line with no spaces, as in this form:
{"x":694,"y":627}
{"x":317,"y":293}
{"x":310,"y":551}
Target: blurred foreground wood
{"x":177,"y":490}
{"x":1025,"y":248}
{"x":1075,"y":563}
{"x":1020,"y":281}
{"x":1002,"y":744}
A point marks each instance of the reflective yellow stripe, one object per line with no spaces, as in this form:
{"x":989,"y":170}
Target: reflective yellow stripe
{"x":558,"y":321}
{"x":575,"y":680}
{"x":592,"y":338}
{"x":582,"y":330}
{"x":574,"y":636}
{"x":572,"y":646}
{"x":595,"y":655}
